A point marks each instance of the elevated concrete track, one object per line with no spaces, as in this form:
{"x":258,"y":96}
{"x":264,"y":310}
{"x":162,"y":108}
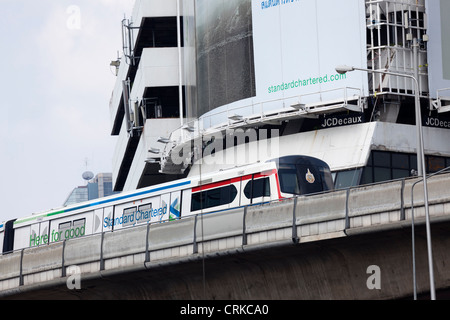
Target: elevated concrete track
{"x":347,"y":244}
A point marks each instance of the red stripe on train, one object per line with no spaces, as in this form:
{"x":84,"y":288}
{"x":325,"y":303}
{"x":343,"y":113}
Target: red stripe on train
{"x":234,"y":180}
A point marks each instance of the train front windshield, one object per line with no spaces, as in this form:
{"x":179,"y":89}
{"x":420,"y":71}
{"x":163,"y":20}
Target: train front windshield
{"x":298,"y":179}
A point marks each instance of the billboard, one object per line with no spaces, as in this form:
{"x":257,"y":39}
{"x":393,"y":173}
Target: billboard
{"x":438,"y":45}
{"x":225,"y":62}
{"x":261,"y":55}
{"x":298,"y":44}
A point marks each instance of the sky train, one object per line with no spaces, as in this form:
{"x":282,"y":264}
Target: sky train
{"x":230,"y":188}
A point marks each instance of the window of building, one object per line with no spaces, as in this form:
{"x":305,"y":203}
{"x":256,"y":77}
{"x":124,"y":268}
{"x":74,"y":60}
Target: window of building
{"x":435,"y":164}
{"x":159,"y":32}
{"x":162,"y":102}
{"x":385,"y":166}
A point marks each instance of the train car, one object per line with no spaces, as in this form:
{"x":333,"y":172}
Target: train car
{"x":220,"y":191}
{"x":7,"y":236}
{"x":2,"y":233}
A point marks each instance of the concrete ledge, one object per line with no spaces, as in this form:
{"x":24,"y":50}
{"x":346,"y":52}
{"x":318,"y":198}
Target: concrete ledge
{"x":10,"y":265}
{"x":83,"y":250}
{"x":407,"y":224}
{"x":125,"y":242}
{"x":43,"y":258}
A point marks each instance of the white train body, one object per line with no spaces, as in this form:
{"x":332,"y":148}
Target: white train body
{"x":242,"y":186}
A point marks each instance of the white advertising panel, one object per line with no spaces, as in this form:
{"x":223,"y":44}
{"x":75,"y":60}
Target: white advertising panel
{"x":439,"y":46}
{"x":299,"y":43}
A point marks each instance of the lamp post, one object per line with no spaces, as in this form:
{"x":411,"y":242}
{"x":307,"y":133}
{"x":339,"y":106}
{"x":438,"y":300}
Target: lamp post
{"x":420,"y":160}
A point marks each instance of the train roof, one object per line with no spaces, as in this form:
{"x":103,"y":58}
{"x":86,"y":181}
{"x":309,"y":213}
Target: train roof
{"x":303,"y":160}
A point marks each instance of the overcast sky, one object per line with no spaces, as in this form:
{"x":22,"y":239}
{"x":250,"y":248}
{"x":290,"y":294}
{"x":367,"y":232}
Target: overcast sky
{"x":55,"y":87}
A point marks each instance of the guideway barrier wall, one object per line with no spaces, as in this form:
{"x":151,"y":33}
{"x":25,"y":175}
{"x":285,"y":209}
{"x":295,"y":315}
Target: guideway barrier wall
{"x":340,"y":213}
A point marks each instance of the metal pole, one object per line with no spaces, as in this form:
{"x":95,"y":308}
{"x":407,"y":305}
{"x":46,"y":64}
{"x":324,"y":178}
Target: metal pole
{"x":180,"y":74}
{"x":413,"y":241}
{"x":425,"y":190}
{"x":420,"y":171}
{"x":412,"y":226}
{"x":421,"y":164}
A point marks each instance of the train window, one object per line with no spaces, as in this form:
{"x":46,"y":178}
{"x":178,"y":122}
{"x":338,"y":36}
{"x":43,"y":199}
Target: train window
{"x":302,"y":179}
{"x":144,"y":213}
{"x":128,"y":217}
{"x":213,"y":198}
{"x":288,"y":179}
{"x":257,"y":188}
{"x":79,"y":223}
{"x":64,"y":226}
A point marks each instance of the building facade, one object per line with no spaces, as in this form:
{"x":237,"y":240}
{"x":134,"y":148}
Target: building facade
{"x":100,"y":186}
{"x":147,"y":101}
{"x":196,"y":72}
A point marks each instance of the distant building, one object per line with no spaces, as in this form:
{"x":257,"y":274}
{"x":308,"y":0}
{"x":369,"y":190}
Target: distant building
{"x":79,"y":194}
{"x":99,"y":187}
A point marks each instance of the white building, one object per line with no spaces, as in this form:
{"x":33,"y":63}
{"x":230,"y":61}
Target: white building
{"x":146,"y":103}
{"x":264,"y":71}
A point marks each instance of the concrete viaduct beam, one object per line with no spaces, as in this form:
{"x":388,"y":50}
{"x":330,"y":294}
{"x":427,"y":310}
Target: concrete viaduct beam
{"x":324,"y":270}
{"x":317,"y":247}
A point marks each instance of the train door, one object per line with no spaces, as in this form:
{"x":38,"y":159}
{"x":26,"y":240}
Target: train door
{"x":170,"y":207}
{"x":246,"y":184}
{"x":98,"y":221}
{"x":255,"y":190}
{"x":156,"y":208}
{"x":39,"y":234}
{"x":186,"y":200}
{"x":34,"y":235}
{"x":21,"y":237}
{"x":8,"y":237}
{"x":44,"y":232}
{"x":107,"y":219}
{"x":2,"y":236}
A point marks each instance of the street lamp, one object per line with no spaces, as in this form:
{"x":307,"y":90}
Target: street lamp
{"x":420,"y":159}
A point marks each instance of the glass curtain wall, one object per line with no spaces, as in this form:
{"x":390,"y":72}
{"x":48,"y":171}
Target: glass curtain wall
{"x":221,"y":31}
{"x":189,"y":56}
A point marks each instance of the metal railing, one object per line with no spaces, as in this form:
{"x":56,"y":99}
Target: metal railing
{"x":195,"y":235}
